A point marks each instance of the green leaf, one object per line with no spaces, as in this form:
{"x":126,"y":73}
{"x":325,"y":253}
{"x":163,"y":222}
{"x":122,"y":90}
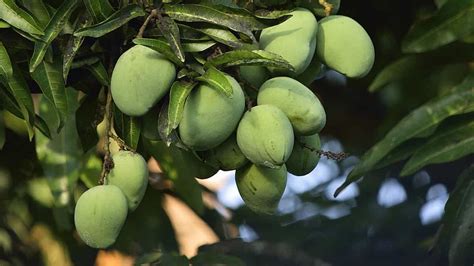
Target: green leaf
{"x":401,"y":152}
{"x":170,"y":30}
{"x":178,"y":94}
{"x":246,"y":57}
{"x":272,"y":14}
{"x":174,"y":259}
{"x":60,"y":156}
{"x":214,"y":258}
{"x":159,"y":46}
{"x":128,"y":128}
{"x":458,"y":221}
{"x":2,"y":130}
{"x":218,"y":80}
{"x":441,"y":148}
{"x":177,"y":165}
{"x":113,"y":22}
{"x":460,"y":101}
{"x":39,"y":11}
{"x":6,"y":69}
{"x":19,"y":18}
{"x":74,"y":43}
{"x":4,"y":25}
{"x":235,"y":19}
{"x":196,"y":47}
{"x":100,"y":73}
{"x":88,"y":116}
{"x":219,"y":34}
{"x":91,"y":170}
{"x":452,"y":22}
{"x":99,"y":9}
{"x":52,"y":30}
{"x":10,"y":104}
{"x":49,"y":77}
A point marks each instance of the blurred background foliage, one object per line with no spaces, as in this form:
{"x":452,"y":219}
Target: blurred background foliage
{"x":384,"y":219}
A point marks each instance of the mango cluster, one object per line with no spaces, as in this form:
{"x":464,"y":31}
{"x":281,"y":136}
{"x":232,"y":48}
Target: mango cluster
{"x":278,"y":134}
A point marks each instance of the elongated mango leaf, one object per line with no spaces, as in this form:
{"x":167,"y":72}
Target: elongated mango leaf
{"x":235,"y":19}
{"x":60,"y":156}
{"x":246,"y":57}
{"x":10,"y":104}
{"x":178,"y":94}
{"x":452,"y":22}
{"x":179,"y":167}
{"x":88,"y":116}
{"x":159,"y":46}
{"x":99,"y":9}
{"x":100,"y":73}
{"x":218,"y":80}
{"x":39,"y":11}
{"x":128,"y":128}
{"x":218,"y":34}
{"x":18,"y":18}
{"x":4,"y":25}
{"x":2,"y":130}
{"x":458,"y":221}
{"x":170,"y":30}
{"x":441,"y":148}
{"x":460,"y":101}
{"x":6,"y":69}
{"x":196,"y":47}
{"x":113,"y":22}
{"x":49,"y":77}
{"x":74,"y":43}
{"x":52,"y":30}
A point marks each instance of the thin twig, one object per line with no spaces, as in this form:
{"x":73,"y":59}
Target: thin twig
{"x":153,"y":14}
{"x":108,"y":162}
{"x":337,"y":156}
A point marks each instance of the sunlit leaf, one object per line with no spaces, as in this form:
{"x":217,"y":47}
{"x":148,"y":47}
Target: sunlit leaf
{"x":195,"y":47}
{"x":18,"y":18}
{"x":178,"y":94}
{"x":170,"y":30}
{"x":52,"y":30}
{"x":159,"y":46}
{"x":246,"y":57}
{"x":218,"y":80}
{"x":113,"y":22}
{"x":39,"y":11}
{"x":6,"y":69}
{"x":219,"y":34}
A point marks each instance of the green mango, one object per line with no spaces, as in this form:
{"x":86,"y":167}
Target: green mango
{"x":141,"y":77}
{"x":226,"y":156}
{"x":299,"y":104}
{"x":294,"y":39}
{"x":100,"y":214}
{"x":210,"y":117}
{"x":130,"y":174}
{"x":254,"y":75}
{"x":345,"y":46}
{"x":261,"y":188}
{"x":304,"y":158}
{"x":265,"y":136}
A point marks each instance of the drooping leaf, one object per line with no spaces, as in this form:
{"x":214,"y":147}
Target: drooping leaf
{"x":159,"y":46}
{"x":99,"y":9}
{"x":52,"y":30}
{"x":271,"y":14}
{"x":39,"y":11}
{"x":113,"y":22}
{"x":453,"y":21}
{"x":195,"y":47}
{"x":4,"y":25}
{"x":235,"y":19}
{"x":49,"y":77}
{"x":6,"y":69}
{"x":170,"y":30}
{"x":460,"y":101}
{"x":128,"y":128}
{"x":246,"y":57}
{"x":88,"y":116}
{"x":163,"y":125}
{"x":400,"y":153}
{"x":218,"y":80}
{"x":100,"y":73}
{"x":18,"y":18}
{"x":441,"y":148}
{"x":60,"y":156}
{"x":178,"y":94}
{"x":74,"y":43}
{"x":219,"y":34}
